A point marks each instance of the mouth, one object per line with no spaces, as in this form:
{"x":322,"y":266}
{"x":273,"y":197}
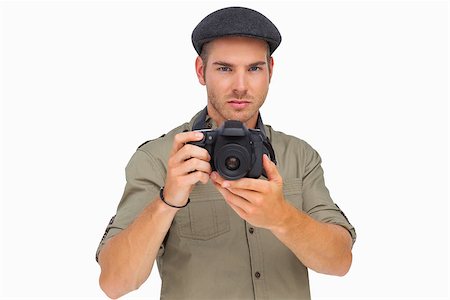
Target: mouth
{"x":239,"y":104}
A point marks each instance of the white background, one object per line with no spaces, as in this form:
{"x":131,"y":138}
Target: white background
{"x":84,"y":83}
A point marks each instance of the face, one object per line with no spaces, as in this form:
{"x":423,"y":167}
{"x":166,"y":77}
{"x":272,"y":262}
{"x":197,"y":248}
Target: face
{"x":236,"y":76}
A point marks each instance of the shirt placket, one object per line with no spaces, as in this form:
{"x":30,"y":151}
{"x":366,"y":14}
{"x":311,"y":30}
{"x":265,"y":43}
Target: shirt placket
{"x":256,"y":262}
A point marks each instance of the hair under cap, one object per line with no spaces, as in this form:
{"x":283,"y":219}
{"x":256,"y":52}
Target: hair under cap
{"x":235,"y":21}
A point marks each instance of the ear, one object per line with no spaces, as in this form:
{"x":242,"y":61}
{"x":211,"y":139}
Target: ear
{"x":199,"y":70}
{"x":271,"y":62}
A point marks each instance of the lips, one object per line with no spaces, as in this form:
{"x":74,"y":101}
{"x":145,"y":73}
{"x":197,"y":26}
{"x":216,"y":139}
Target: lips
{"x":239,"y":104}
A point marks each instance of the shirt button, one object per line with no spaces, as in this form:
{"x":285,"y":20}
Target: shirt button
{"x":257,"y":275}
{"x":251,"y":230}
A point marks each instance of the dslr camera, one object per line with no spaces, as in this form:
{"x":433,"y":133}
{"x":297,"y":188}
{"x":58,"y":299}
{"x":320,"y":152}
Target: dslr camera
{"x":235,"y":150}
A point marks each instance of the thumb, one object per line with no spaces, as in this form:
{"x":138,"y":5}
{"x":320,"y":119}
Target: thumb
{"x":271,"y":169}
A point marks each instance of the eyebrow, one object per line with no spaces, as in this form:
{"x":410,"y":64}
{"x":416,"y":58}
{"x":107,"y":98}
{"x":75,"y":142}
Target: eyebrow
{"x":225,"y":64}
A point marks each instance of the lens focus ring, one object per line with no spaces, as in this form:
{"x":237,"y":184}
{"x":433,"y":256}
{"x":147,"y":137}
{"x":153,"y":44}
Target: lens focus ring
{"x":232,"y":161}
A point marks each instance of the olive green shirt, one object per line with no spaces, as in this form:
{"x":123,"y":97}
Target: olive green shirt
{"x":209,"y":251}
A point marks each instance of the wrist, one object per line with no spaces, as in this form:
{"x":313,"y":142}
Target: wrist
{"x":164,"y":208}
{"x":288,"y":218}
{"x":168,"y":203}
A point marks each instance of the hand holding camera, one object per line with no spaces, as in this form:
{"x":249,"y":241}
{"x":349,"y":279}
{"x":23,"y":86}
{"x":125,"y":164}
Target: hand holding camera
{"x":232,"y":150}
{"x":187,"y":165}
{"x":236,"y":151}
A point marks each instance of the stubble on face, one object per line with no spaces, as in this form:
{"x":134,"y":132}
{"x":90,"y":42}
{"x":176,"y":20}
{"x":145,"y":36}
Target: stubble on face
{"x":239,"y":92}
{"x":219,"y":104}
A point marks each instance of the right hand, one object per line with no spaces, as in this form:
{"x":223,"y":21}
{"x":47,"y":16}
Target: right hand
{"x":187,"y":165}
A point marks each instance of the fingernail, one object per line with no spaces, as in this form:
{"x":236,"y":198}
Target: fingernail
{"x":199,"y":135}
{"x":225,"y":184}
{"x":213,"y":175}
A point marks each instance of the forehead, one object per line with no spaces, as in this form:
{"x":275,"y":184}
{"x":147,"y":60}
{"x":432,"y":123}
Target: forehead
{"x":237,"y":48}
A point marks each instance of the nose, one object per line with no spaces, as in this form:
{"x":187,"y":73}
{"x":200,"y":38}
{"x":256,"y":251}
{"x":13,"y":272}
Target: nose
{"x":240,"y":85}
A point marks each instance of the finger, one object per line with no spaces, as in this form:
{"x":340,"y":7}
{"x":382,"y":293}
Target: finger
{"x":194,"y":177}
{"x":240,"y":183}
{"x":237,"y":201}
{"x":250,"y":196}
{"x":182,"y":138}
{"x":216,"y":178}
{"x":192,"y":165}
{"x":190,"y":151}
{"x":251,"y":184}
{"x":271,"y":170}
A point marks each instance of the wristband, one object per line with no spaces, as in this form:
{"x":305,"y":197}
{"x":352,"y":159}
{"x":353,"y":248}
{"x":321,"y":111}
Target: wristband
{"x":161,"y":195}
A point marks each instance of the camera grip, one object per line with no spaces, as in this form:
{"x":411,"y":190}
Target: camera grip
{"x":257,"y":166}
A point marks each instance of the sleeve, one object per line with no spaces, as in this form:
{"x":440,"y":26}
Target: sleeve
{"x":316,"y":198}
{"x":145,"y":175}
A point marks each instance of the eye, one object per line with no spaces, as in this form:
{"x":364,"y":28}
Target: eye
{"x":254,"y":68}
{"x":224,"y":69}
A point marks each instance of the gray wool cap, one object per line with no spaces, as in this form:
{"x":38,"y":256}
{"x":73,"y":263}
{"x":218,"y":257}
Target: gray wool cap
{"x":235,"y":21}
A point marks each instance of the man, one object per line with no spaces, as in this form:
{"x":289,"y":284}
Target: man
{"x":215,"y":238}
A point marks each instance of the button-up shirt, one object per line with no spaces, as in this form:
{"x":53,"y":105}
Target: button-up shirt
{"x":209,"y":252}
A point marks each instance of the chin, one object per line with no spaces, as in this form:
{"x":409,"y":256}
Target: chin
{"x":242,"y":116}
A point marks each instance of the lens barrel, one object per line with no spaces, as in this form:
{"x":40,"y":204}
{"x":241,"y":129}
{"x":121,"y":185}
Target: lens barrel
{"x":232,"y":161}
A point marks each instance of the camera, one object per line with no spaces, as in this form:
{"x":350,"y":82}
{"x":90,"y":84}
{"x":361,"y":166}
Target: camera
{"x":235,"y":150}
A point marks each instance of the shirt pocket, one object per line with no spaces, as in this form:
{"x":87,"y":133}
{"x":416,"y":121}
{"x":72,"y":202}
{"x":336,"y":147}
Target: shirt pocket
{"x":292,"y":190}
{"x":206,"y":216}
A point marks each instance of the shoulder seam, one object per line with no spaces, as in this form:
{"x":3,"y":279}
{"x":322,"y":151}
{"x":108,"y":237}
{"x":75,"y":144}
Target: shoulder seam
{"x":153,"y":160}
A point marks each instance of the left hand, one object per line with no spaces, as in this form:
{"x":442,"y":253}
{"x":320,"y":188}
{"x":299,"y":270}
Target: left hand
{"x":259,"y":202}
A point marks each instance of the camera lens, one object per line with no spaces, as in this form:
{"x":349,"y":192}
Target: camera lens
{"x":232,"y":163}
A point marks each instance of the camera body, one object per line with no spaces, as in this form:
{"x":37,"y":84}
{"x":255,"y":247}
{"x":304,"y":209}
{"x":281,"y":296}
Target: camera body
{"x":235,"y":150}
